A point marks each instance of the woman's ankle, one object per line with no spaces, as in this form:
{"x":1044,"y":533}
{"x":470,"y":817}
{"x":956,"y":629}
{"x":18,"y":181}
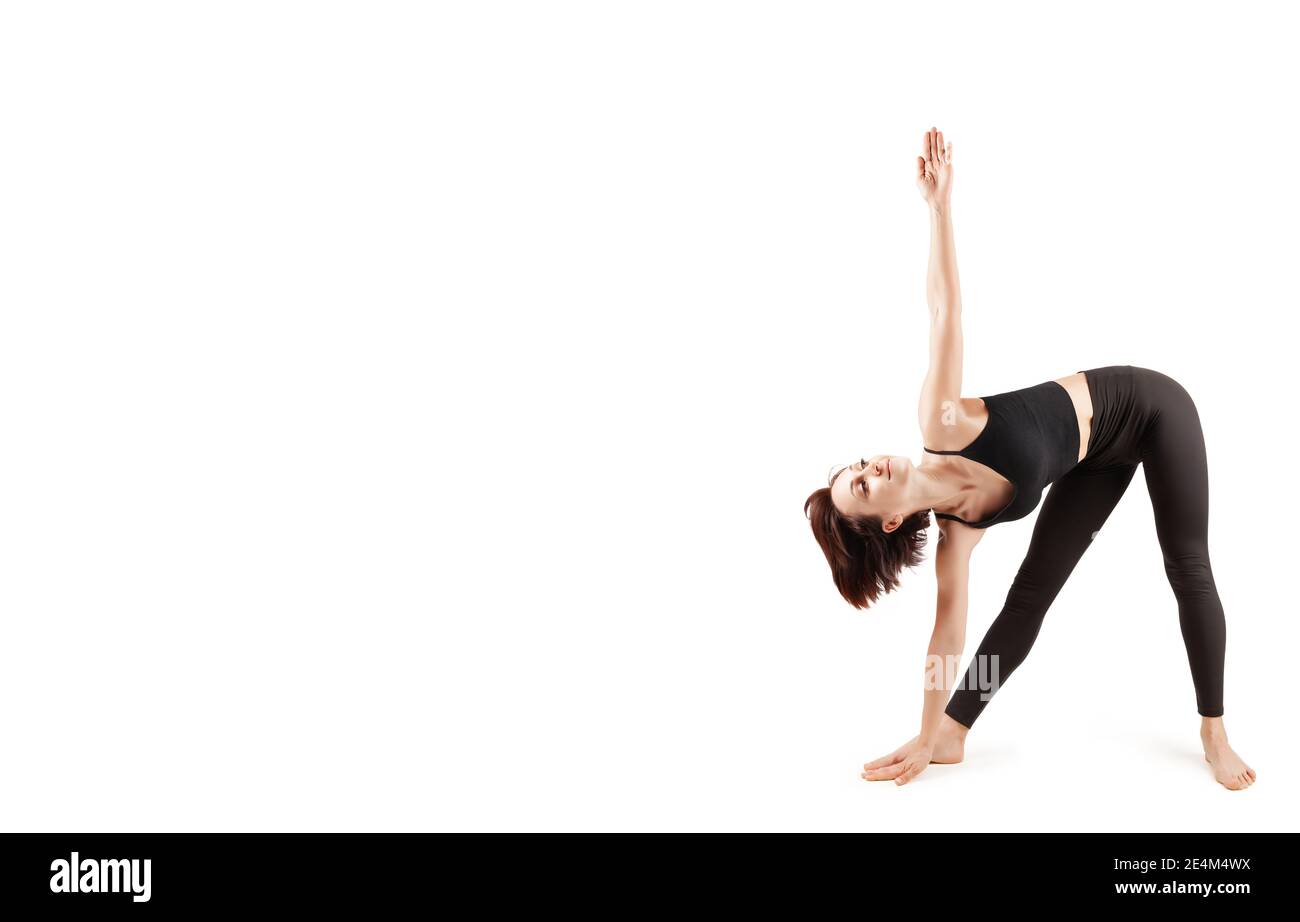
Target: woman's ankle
{"x":1212,"y":728}
{"x":953,"y":729}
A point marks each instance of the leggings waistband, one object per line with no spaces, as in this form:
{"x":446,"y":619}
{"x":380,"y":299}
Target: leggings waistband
{"x":1126,"y":402}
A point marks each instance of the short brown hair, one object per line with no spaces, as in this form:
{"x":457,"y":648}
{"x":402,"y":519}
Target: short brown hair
{"x":865,"y":559}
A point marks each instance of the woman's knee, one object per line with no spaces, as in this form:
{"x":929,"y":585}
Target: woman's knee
{"x":1190,"y":574}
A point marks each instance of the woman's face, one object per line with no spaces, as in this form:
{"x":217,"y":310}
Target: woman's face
{"x":873,"y":486}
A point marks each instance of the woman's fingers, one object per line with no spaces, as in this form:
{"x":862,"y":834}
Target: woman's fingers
{"x":887,"y":773}
{"x":920,"y":168}
{"x":908,"y":774}
{"x":902,"y":768}
{"x":883,"y":761}
{"x":934,"y":149}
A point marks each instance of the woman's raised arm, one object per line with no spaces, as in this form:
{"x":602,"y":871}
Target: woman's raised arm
{"x":941,"y":392}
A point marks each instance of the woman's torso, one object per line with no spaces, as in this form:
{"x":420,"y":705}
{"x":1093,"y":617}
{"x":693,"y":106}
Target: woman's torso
{"x":990,"y":494}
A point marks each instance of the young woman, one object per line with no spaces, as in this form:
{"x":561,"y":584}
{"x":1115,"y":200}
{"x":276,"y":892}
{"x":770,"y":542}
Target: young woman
{"x":987,"y":460}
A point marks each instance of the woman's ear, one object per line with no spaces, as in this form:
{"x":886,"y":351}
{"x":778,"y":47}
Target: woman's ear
{"x":891,"y":523}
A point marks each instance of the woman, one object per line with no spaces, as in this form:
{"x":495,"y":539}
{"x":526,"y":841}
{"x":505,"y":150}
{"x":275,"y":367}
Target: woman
{"x":987,"y":460}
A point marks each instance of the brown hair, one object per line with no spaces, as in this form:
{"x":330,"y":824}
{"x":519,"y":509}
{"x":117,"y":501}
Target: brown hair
{"x":865,"y":559}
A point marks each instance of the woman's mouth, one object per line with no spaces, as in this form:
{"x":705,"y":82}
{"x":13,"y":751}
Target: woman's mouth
{"x":889,"y":469}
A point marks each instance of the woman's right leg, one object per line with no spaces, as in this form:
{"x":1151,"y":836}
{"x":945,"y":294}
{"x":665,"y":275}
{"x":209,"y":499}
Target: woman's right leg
{"x":1177,"y":476}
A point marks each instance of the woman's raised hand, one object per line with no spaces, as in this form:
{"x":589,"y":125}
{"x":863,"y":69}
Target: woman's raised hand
{"x":934,"y":169}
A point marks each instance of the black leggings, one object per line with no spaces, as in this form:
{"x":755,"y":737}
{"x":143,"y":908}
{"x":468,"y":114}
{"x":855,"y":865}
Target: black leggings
{"x":1142,"y":417}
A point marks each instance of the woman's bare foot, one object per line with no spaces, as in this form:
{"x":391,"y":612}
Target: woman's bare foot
{"x":1229,"y":770}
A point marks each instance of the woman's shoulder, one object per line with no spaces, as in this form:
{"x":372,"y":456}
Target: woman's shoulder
{"x":956,"y":425}
{"x":956,"y":541}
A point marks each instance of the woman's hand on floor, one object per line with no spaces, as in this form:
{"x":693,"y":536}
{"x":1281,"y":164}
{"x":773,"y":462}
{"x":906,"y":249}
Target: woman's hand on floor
{"x":901,"y":765}
{"x":934,"y":170}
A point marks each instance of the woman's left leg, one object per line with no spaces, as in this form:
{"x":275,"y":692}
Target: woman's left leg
{"x":1076,"y":507}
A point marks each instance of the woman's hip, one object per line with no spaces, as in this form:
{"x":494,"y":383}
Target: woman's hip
{"x":1127,"y":403}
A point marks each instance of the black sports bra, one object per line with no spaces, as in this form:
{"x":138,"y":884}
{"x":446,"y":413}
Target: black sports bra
{"x":1031,"y":438}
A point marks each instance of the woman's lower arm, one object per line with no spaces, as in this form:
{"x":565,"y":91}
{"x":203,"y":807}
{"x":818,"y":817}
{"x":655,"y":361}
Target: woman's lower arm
{"x":942,"y":659}
{"x":942,"y":288}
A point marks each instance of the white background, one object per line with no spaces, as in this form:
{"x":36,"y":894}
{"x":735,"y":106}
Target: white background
{"x":407,"y":409}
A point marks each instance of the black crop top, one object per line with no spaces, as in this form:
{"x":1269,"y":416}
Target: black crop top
{"x":1031,"y":438}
